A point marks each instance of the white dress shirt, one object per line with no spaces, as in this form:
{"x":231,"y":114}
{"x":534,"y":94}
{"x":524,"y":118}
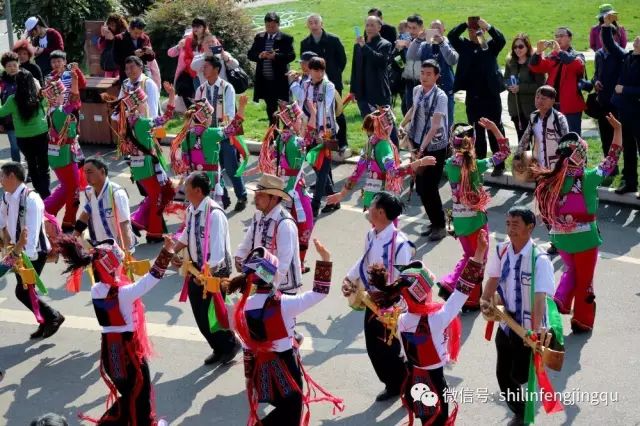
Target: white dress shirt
{"x":110,"y":205}
{"x":288,"y":276}
{"x":219,"y":240}
{"x":225,"y":105}
{"x":197,"y":64}
{"x":150,"y":88}
{"x":438,"y":323}
{"x":127,"y":294}
{"x":325,"y":107}
{"x":34,"y":214}
{"x":375,"y":249}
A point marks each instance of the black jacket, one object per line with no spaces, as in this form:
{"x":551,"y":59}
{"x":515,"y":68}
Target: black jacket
{"x":283,"y":46}
{"x":329,"y":48}
{"x":628,"y":103}
{"x":389,"y":33}
{"x":369,"y":76}
{"x":477,"y":68}
{"x":123,"y":47}
{"x":34,"y":70}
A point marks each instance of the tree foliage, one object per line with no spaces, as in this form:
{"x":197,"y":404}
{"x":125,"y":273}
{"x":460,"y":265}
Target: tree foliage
{"x":168,"y":19}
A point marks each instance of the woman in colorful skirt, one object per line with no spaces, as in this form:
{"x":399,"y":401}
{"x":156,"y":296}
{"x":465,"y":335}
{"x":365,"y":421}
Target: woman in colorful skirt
{"x":264,"y":322}
{"x":567,"y":198}
{"x":120,"y":313}
{"x":430,"y":331}
{"x":470,"y":199}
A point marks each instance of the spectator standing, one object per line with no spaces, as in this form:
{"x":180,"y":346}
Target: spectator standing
{"x":133,"y":42}
{"x":25,"y":52}
{"x":387,"y":32}
{"x":521,"y":83}
{"x":10,"y":63}
{"x":272,"y":50}
{"x":478,"y":73}
{"x":114,"y":25}
{"x":27,"y":110}
{"x":428,"y":133}
{"x":44,"y":39}
{"x":410,"y":51}
{"x":565,"y":68}
{"x":627,"y":100}
{"x":605,"y":78}
{"x":439,"y":49}
{"x":328,"y":47}
{"x":620,"y":36}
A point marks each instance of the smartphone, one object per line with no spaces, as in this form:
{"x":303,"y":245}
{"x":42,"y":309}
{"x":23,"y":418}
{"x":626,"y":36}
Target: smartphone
{"x":405,"y":36}
{"x":357,"y":30}
{"x":472,"y":22}
{"x":430,"y":33}
{"x":216,"y":50}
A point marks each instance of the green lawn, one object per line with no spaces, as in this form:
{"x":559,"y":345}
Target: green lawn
{"x":538,"y":18}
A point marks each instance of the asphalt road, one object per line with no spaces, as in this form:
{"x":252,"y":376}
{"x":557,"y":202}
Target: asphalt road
{"x":60,"y":374}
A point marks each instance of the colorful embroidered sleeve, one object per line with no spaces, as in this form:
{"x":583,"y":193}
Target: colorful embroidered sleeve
{"x":162,"y":119}
{"x":322,"y":277}
{"x":471,"y":276}
{"x":503,"y":152}
{"x":607,"y":166}
{"x":357,"y":173}
{"x":235,"y":127}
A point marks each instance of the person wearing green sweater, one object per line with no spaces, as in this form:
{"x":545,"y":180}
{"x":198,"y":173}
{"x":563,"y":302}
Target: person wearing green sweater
{"x":27,"y":109}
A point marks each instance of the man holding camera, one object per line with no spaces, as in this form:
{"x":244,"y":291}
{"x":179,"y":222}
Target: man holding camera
{"x":272,"y":50}
{"x":478,"y":73}
{"x":410,"y":48}
{"x":133,"y":42}
{"x":565,"y":69}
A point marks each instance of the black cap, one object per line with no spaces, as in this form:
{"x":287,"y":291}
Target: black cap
{"x":306,"y":56}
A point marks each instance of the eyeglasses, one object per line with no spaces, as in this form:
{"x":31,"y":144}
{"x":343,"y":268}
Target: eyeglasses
{"x":561,"y":35}
{"x":519,"y":46}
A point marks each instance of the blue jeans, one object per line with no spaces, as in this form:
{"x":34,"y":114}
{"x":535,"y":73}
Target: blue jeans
{"x":574,"y":121}
{"x":13,"y":142}
{"x":229,"y":162}
{"x":366,"y":109}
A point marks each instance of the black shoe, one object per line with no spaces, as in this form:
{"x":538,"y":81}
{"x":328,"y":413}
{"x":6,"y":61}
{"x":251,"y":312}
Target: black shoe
{"x":427,"y":231}
{"x":38,"y":333}
{"x":552,"y":250}
{"x":497,"y":172}
{"x":316,"y":212}
{"x":386,"y":395}
{"x":516,"y":421}
{"x":228,"y":357}
{"x":136,"y":229}
{"x":437,"y":234}
{"x":212,"y":359}
{"x":305,"y":269}
{"x":330,"y":208}
{"x":52,"y":328}
{"x":623,"y":189}
{"x":226,"y":202}
{"x":154,"y":240}
{"x":240,"y":205}
{"x":299,"y":337}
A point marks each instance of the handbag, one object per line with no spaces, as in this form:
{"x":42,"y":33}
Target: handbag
{"x":593,"y":109}
{"x":239,"y":79}
{"x":108,"y":59}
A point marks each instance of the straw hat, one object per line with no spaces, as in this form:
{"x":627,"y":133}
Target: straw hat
{"x":273,"y":185}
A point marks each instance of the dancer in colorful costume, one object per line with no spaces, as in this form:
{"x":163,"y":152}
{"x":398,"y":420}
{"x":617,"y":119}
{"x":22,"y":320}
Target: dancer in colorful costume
{"x":64,"y":149}
{"x":264,"y":322}
{"x":285,"y":157}
{"x":380,"y":160}
{"x":197,"y":146}
{"x":23,"y":222}
{"x":470,"y":200}
{"x":567,"y":198}
{"x":148,"y":165}
{"x":120,"y":311}
{"x":430,"y":331}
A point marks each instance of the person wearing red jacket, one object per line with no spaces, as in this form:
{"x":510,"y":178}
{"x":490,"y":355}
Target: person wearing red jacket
{"x":565,"y":69}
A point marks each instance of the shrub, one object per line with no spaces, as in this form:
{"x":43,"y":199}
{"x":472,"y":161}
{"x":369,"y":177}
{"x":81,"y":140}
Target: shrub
{"x":66,"y":16}
{"x":136,"y":7}
{"x":167,"y":20}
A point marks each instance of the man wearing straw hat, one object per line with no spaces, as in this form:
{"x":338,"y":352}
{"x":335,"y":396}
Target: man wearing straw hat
{"x":273,"y":227}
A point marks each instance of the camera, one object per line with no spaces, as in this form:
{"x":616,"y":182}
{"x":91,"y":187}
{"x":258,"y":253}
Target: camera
{"x":548,"y":44}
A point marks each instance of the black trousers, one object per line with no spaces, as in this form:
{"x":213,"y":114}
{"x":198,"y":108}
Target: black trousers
{"x":221,"y":341}
{"x":631,"y":148}
{"x":386,"y":360}
{"x":287,"y":411}
{"x":520,"y":122}
{"x":324,"y":184}
{"x":271,"y":100}
{"x":341,"y":136}
{"x":36,"y":151}
{"x":512,"y":369}
{"x":126,"y":373}
{"x":427,"y":187}
{"x":48,"y":313}
{"x":488,"y":107}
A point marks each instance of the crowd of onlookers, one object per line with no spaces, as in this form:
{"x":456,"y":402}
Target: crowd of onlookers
{"x":549,"y":91}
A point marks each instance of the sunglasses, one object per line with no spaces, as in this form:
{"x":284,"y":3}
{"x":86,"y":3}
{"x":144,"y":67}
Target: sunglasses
{"x":519,"y":46}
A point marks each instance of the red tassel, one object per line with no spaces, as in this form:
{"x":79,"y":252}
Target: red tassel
{"x":74,"y":281}
{"x":549,"y":398}
{"x":488,"y":331}
{"x":83,"y":179}
{"x":185,"y":290}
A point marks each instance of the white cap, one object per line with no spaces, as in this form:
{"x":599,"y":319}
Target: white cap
{"x":30,"y":23}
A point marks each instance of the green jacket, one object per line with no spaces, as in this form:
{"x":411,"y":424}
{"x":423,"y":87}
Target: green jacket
{"x":35,"y":126}
{"x":528,"y":84}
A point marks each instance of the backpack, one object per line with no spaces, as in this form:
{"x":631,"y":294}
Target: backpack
{"x":239,"y":79}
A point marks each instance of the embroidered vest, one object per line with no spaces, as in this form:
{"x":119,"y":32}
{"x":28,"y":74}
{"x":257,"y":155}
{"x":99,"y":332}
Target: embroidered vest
{"x":142,"y":166}
{"x":203,"y":152}
{"x":266,"y":323}
{"x":419,"y":347}
{"x":108,"y":309}
{"x":61,"y":155}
